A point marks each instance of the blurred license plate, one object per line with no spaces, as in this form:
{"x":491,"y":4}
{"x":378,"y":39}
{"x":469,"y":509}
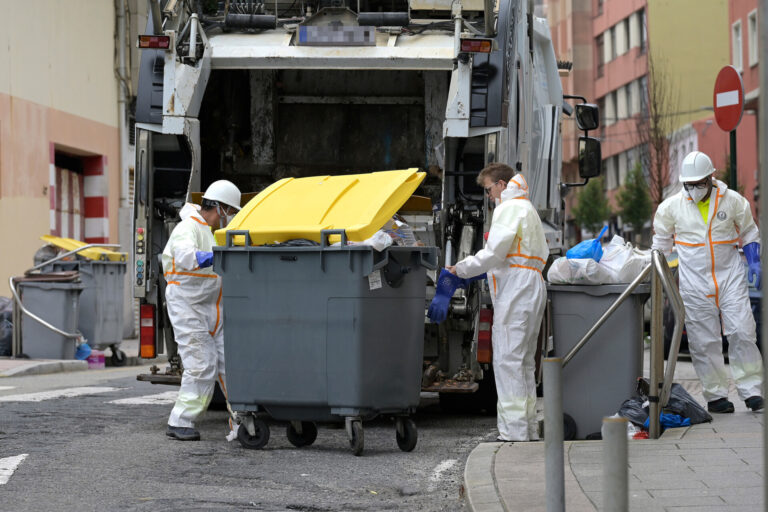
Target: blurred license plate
{"x":337,"y":36}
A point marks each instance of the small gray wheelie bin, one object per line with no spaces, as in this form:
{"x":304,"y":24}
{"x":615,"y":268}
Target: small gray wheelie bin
{"x":323,"y":333}
{"x":604,"y":372}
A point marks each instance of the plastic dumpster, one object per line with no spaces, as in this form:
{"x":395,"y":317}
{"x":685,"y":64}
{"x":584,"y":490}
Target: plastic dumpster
{"x":102,"y":273}
{"x":58,"y":304}
{"x":323,"y":332}
{"x":604,"y":372}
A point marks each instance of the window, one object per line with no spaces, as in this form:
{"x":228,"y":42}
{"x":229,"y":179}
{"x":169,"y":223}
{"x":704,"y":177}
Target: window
{"x":599,"y":7}
{"x":613,"y":42}
{"x":622,"y":168}
{"x":610,"y":108}
{"x":600,"y":55}
{"x":607,"y":46}
{"x":736,"y":45}
{"x":641,"y":28}
{"x":752,"y":37}
{"x":621,"y":103}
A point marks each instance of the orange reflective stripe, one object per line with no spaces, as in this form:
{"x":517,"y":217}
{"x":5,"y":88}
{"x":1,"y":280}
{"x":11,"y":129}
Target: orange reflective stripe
{"x":523,"y":266}
{"x":524,"y":185}
{"x":712,"y":253}
{"x":218,"y":314}
{"x":193,"y":274}
{"x":521,"y":255}
{"x":494,"y":284}
{"x":735,"y":240}
{"x":519,"y":241}
{"x":688,"y":244}
{"x":199,"y":221}
{"x":173,"y":282}
{"x":710,"y":296}
{"x":223,"y":387}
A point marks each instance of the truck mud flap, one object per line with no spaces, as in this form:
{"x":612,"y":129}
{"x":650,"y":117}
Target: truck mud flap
{"x":452,"y":386}
{"x":171,"y":380}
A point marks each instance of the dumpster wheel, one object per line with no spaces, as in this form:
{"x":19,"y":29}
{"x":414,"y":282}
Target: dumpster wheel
{"x":355,"y":435}
{"x":406,"y":434}
{"x":305,"y":438}
{"x":118,"y":357}
{"x":256,"y":441}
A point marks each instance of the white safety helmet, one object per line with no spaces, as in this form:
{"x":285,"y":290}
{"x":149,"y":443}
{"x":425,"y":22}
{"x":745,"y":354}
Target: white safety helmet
{"x":224,"y":192}
{"x":696,"y":166}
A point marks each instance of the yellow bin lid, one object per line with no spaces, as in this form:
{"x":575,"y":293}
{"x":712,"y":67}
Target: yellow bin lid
{"x":293,"y":208}
{"x":92,"y":253}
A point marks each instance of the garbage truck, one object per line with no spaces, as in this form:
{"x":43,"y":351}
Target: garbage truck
{"x":254,"y":92}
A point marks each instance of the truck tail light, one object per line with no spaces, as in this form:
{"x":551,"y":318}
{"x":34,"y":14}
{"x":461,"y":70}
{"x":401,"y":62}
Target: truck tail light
{"x":476,"y":45}
{"x":147,"y":349}
{"x":484,"y":345}
{"x":156,"y":42}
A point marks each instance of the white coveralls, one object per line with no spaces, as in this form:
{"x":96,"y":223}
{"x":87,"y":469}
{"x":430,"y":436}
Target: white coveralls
{"x":193,"y":298}
{"x":713,"y":286}
{"x":514,"y":258}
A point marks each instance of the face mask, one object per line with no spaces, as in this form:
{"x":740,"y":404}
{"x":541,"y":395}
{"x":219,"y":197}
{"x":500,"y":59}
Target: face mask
{"x":224,"y":219}
{"x":697,"y":194}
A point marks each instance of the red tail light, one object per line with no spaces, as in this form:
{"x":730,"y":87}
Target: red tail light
{"x":476,"y":45}
{"x":484,"y":345}
{"x":147,"y":348}
{"x":157,"y":42}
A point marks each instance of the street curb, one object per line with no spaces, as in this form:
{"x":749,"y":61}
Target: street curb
{"x":56,"y":366}
{"x":479,"y":482}
{"x":45,"y":367}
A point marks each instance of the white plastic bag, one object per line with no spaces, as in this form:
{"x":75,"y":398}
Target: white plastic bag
{"x":622,"y":261}
{"x":577,"y":271}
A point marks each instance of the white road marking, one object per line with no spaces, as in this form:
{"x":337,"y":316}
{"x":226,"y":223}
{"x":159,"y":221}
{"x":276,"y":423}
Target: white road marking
{"x":5,"y":388}
{"x":168,"y":397}
{"x":725,"y":99}
{"x":56,"y":393}
{"x":8,"y":465}
{"x":442,"y":468}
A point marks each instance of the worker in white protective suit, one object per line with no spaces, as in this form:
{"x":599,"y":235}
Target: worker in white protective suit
{"x":514,"y":257}
{"x":706,"y":222}
{"x":193,"y":298}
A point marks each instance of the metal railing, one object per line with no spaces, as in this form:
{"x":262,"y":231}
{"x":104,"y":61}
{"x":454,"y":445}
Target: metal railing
{"x":615,"y":447}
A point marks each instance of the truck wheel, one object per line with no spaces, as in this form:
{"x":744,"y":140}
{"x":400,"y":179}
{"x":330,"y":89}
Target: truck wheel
{"x":406,"y":441}
{"x":255,"y":442}
{"x":307,"y":436}
{"x":356,"y":440}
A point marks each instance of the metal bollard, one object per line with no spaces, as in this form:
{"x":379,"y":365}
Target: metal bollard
{"x":615,"y":461}
{"x":553,"y":435}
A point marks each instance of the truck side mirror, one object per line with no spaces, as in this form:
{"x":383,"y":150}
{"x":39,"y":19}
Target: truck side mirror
{"x":590,"y":157}
{"x":587,"y":116}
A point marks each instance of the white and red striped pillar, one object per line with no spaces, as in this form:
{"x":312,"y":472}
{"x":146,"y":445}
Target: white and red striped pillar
{"x":96,"y":193}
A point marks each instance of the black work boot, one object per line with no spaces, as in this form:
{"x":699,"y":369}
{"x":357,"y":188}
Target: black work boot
{"x":755,"y":403}
{"x":721,"y":405}
{"x":183,"y":433}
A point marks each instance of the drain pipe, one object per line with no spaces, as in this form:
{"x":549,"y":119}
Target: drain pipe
{"x":122,"y":101}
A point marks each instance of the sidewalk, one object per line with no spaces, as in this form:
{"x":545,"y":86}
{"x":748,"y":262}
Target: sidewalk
{"x":19,"y":367}
{"x":714,"y":466}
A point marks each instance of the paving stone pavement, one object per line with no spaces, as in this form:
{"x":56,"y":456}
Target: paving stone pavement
{"x":714,"y":466}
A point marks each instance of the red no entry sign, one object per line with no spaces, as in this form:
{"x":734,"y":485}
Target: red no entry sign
{"x":728,"y":98}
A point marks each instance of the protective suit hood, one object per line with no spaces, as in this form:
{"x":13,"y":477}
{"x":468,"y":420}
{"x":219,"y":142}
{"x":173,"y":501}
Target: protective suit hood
{"x":516,"y":188}
{"x":190,"y":210}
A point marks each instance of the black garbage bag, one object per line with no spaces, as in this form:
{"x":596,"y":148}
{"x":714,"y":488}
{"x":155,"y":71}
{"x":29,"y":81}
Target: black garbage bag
{"x":680,"y":402}
{"x":633,"y":410}
{"x":6,"y":327}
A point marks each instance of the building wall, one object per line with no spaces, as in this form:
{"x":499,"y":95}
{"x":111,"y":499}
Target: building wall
{"x":741,"y":11}
{"x":58,"y":92}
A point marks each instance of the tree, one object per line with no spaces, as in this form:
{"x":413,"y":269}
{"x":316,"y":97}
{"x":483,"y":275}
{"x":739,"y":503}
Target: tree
{"x":634,"y":199}
{"x":592,"y":209}
{"x":654,"y":126}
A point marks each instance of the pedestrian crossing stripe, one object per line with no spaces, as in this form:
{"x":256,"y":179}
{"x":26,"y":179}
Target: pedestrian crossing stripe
{"x":168,"y":397}
{"x":56,"y":393}
{"x":8,"y":466}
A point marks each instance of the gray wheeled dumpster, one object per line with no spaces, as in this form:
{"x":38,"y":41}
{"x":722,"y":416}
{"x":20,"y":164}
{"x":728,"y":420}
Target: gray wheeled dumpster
{"x":604,"y":372}
{"x":323,"y":333}
{"x":101,"y":303}
{"x":58,"y":304}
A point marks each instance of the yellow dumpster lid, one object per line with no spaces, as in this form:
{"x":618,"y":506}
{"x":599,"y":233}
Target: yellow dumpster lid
{"x":92,"y":253}
{"x":302,"y":207}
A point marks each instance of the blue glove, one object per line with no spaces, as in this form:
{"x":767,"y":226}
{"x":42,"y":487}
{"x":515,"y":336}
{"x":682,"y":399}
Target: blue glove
{"x":752,"y":253}
{"x":204,"y":258}
{"x":465,"y":282}
{"x":447,"y":284}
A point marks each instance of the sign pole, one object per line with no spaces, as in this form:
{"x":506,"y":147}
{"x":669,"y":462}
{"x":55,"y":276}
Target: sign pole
{"x":732,"y":177}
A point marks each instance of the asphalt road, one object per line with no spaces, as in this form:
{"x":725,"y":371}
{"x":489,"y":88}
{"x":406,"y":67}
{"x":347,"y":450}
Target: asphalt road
{"x":85,"y":451}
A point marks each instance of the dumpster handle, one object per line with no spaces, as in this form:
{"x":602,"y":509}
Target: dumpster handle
{"x":76,"y":335}
{"x":428,"y":260}
{"x":69,"y":253}
{"x":237,"y":232}
{"x":679,"y":309}
{"x":325,"y":233}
